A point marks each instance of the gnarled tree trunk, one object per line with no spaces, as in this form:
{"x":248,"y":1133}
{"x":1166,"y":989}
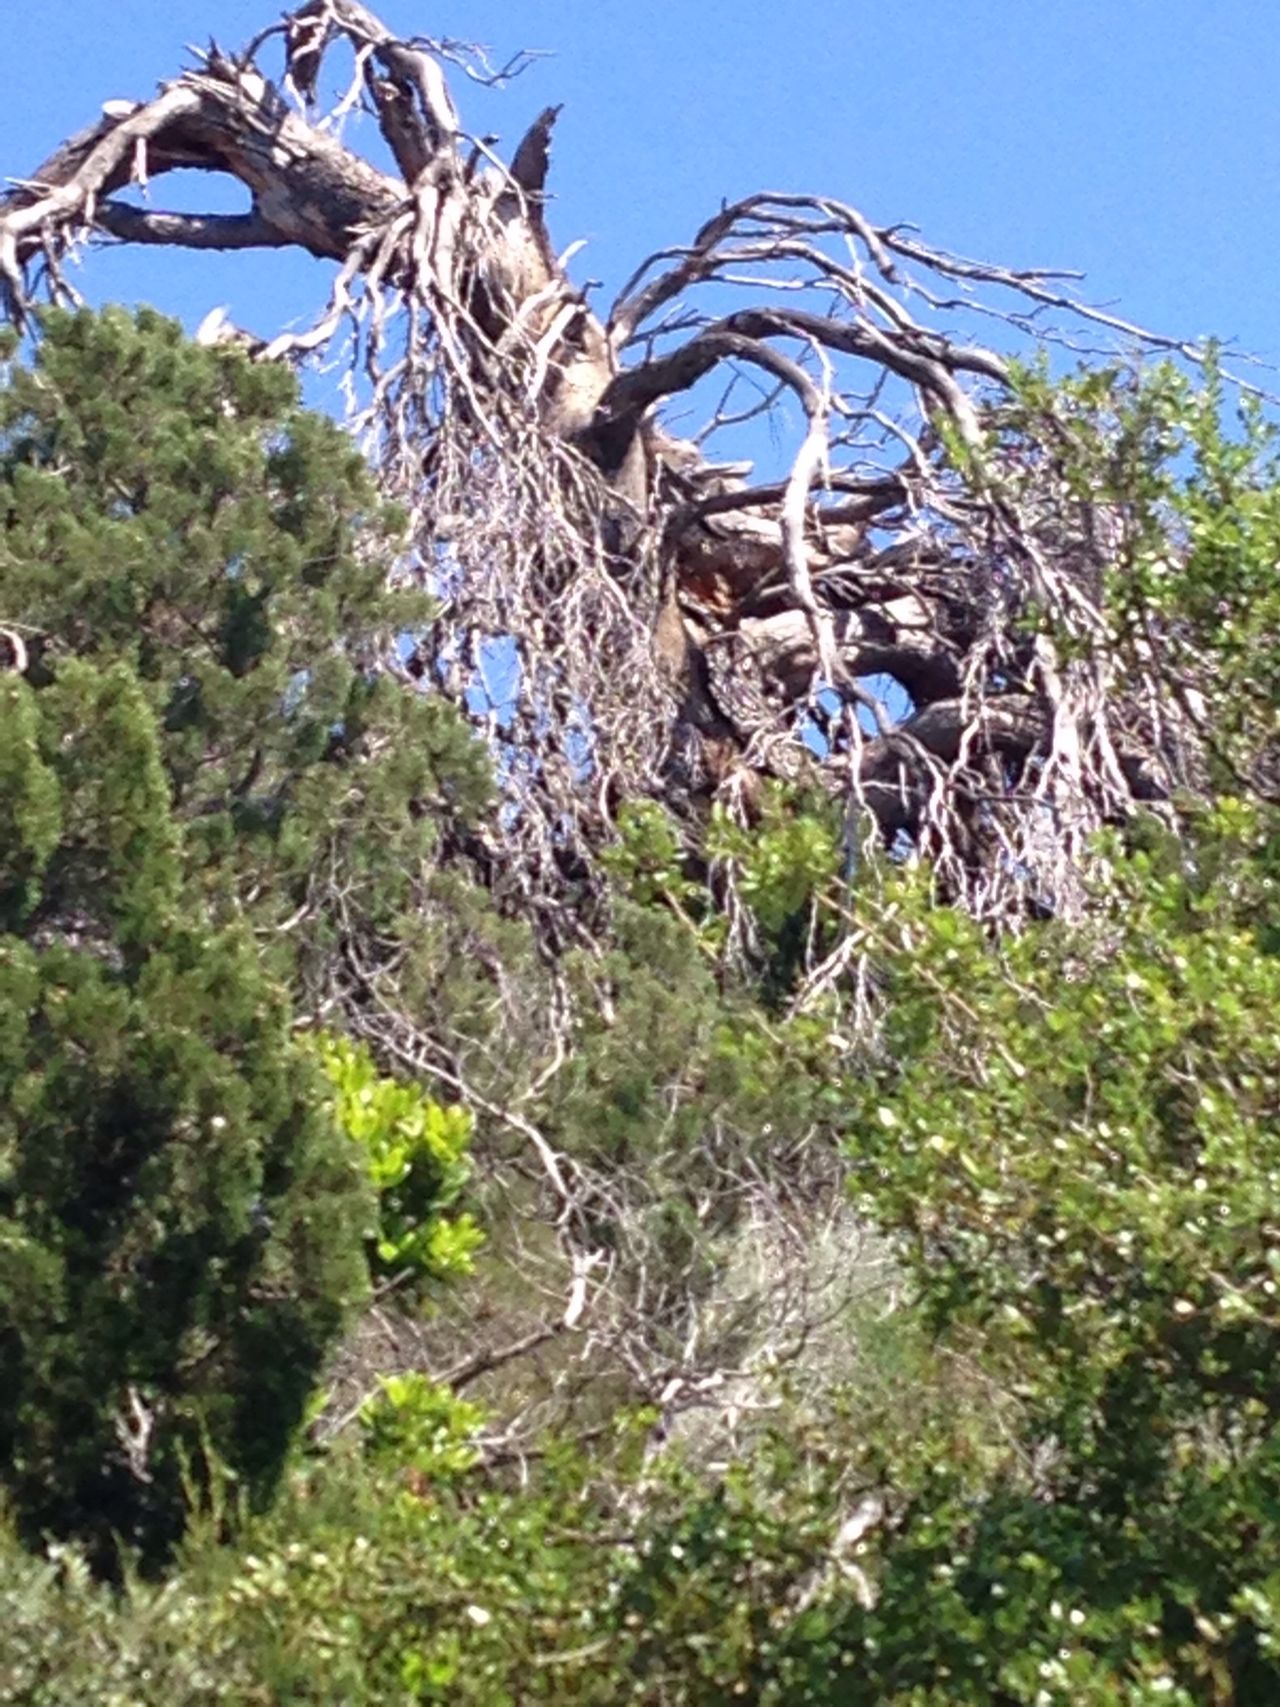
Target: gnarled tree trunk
{"x":668,"y":625}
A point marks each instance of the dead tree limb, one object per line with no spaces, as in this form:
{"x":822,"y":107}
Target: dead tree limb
{"x":671,"y":624}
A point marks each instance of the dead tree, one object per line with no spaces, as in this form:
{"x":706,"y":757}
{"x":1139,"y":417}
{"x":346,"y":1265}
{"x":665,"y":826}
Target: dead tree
{"x":884,"y":615}
{"x":909,"y":614}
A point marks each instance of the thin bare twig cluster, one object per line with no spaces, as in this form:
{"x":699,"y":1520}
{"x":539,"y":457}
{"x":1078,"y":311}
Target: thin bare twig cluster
{"x":623,"y":613}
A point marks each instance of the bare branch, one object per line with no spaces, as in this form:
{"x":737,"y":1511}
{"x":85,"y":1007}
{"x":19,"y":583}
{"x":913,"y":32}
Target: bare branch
{"x":533,"y":157}
{"x":190,"y":230}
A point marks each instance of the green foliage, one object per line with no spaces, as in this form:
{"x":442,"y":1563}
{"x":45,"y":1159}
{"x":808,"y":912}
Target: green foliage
{"x":692,"y":1077}
{"x":1199,"y":485}
{"x":174,"y":509}
{"x":211,"y":805}
{"x":415,"y":1153}
{"x":1077,"y":1146}
{"x":1079,"y":1482}
{"x":178,"y":1215}
{"x":209,"y":793}
{"x":784,"y":862}
{"x":415,"y":1424}
{"x":648,"y":860}
{"x":29,"y":801}
{"x":404,"y":1571}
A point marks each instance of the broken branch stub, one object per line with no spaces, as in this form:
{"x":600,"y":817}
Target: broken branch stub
{"x":659,"y":623}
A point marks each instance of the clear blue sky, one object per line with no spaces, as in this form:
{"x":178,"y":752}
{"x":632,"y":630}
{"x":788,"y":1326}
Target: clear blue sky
{"x":1136,"y":139}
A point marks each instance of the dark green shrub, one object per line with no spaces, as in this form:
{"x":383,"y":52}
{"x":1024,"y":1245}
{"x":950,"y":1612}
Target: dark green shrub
{"x":180,"y":1216}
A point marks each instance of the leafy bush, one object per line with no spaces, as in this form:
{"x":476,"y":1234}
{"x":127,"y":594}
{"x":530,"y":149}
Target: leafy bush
{"x":415,"y":1155}
{"x":1078,"y":1147}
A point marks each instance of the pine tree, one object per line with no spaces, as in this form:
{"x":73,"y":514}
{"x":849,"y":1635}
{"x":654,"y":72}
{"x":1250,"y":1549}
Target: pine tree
{"x":180,"y":1217}
{"x":198,"y":742}
{"x":176,"y":509}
